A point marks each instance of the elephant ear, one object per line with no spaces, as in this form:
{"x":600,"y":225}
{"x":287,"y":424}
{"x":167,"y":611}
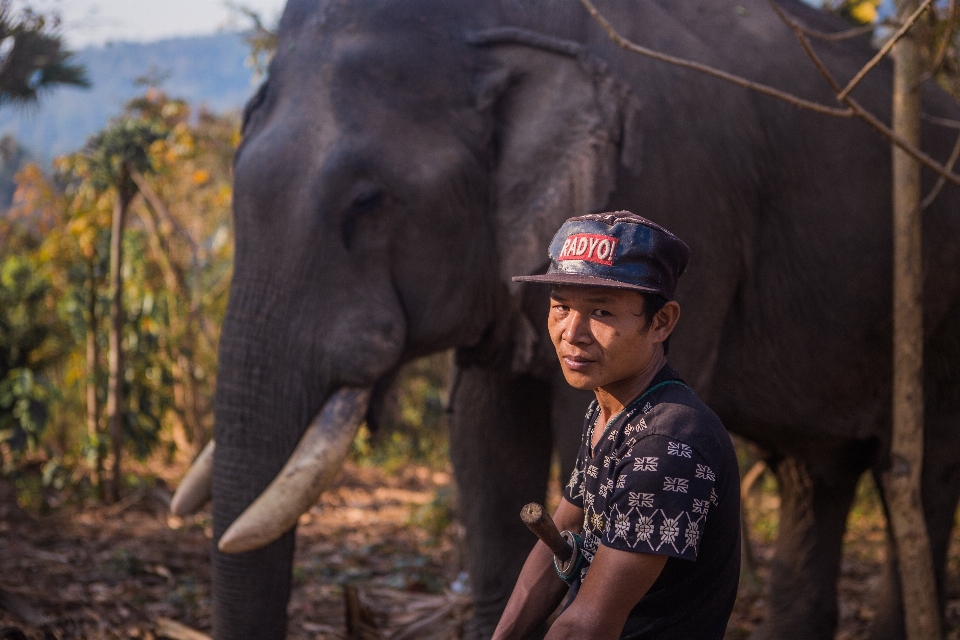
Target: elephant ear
{"x":558,"y":117}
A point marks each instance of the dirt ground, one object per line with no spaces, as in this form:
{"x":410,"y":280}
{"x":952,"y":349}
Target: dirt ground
{"x":131,"y":570}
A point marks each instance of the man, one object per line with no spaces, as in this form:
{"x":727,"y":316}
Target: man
{"x":654,"y":495}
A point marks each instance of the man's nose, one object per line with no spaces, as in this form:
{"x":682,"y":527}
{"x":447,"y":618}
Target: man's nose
{"x":577,"y":330}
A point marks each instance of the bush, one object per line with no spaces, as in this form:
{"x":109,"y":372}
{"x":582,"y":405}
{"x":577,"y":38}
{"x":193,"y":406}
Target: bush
{"x":413,"y":428}
{"x":28,"y":332}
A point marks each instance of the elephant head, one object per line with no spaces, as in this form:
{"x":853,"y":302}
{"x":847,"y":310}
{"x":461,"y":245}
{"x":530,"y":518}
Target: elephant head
{"x":401,"y":162}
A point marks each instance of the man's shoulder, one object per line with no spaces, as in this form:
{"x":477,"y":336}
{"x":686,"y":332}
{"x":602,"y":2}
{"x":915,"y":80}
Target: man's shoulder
{"x":676,"y":412}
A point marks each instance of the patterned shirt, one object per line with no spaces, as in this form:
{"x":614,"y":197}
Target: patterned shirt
{"x":663,"y":479}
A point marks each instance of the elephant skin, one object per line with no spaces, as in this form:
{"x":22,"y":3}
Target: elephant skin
{"x":406,"y":157}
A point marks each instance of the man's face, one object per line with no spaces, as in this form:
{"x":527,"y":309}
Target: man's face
{"x":602,"y":336}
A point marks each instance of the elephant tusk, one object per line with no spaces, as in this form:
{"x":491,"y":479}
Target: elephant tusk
{"x":311,"y":467}
{"x":194,"y":489}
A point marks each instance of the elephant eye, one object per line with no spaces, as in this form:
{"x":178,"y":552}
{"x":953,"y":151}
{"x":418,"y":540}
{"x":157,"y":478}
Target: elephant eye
{"x":365,"y":201}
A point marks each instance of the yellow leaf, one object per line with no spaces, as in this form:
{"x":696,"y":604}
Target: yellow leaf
{"x":864,"y":12}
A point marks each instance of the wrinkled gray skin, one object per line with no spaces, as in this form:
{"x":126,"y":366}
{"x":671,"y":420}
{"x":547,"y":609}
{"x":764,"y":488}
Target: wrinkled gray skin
{"x":408,"y":156}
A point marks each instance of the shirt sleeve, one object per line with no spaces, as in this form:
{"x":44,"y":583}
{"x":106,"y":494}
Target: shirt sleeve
{"x":661,"y":499}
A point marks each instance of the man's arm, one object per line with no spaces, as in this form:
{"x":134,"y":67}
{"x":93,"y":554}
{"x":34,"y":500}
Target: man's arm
{"x":613,"y":586}
{"x":539,"y":589}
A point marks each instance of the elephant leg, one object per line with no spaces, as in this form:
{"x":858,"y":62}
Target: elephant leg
{"x":941,"y":492}
{"x":815,"y":497}
{"x":569,"y":405}
{"x":500,"y":444}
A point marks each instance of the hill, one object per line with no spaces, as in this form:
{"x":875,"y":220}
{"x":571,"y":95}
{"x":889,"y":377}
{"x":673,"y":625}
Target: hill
{"x":205,"y":70}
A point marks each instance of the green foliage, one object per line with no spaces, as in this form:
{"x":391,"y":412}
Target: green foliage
{"x":121,"y":149}
{"x":24,"y":299}
{"x":148,"y":383}
{"x":28,"y":344}
{"x":413,"y":427}
{"x":438,"y":514}
{"x":24,"y":401}
{"x":176,"y":274}
{"x":32,"y":57}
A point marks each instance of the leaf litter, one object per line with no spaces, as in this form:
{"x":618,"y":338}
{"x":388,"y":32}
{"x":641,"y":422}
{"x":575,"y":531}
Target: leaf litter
{"x":381,"y":557}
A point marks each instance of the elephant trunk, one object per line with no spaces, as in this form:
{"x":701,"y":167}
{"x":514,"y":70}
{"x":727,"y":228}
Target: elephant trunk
{"x":254,"y":438}
{"x":290,"y":397}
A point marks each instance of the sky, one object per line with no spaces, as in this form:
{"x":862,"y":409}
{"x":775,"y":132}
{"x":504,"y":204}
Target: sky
{"x":95,"y":22}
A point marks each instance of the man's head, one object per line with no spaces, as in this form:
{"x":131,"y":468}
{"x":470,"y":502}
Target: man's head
{"x":614,"y":276}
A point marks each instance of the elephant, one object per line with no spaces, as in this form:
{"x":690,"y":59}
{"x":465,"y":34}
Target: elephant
{"x":405,"y":158}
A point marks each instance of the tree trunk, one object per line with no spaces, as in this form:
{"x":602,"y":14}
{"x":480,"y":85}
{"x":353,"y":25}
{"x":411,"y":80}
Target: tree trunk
{"x":902,"y":481}
{"x":183,"y":291}
{"x":115,"y":361}
{"x":93,"y":405}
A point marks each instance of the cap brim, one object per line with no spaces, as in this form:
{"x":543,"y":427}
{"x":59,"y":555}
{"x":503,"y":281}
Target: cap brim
{"x":578,"y":280}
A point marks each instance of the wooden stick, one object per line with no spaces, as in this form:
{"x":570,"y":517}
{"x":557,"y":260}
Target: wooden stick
{"x":540,"y":522}
{"x":167,"y":628}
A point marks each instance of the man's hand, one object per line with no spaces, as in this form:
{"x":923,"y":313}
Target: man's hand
{"x":614,"y":584}
{"x":539,"y":589}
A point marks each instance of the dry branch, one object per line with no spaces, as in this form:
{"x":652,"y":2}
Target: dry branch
{"x":943,"y":122}
{"x":157,"y":205}
{"x":711,"y":71}
{"x":853,"y":110}
{"x":910,"y":149}
{"x":884,"y":50}
{"x":361,"y":624}
{"x":935,"y":191}
{"x":839,"y":35}
{"x":174,"y":630}
{"x":944,"y":48}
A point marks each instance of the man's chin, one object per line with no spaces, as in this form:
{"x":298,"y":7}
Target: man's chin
{"x":579,"y":381}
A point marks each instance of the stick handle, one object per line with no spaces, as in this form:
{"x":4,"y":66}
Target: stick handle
{"x":540,"y":522}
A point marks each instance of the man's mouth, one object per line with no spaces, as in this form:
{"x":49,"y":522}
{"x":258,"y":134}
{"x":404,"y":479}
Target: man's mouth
{"x":577,"y":363}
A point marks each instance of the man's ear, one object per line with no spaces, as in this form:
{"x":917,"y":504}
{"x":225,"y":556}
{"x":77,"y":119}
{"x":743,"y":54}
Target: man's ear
{"x":665,"y":320}
{"x":558,"y":117}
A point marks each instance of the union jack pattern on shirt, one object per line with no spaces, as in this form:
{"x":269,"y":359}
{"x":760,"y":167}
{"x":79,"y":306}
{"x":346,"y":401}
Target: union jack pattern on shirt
{"x":642,"y":488}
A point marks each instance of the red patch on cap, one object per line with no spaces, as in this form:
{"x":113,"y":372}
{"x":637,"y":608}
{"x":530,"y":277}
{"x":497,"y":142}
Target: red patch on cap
{"x":591,"y":247}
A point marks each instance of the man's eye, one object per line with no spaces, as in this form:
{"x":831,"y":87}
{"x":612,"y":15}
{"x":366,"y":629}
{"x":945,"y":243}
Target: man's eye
{"x":603,"y":313}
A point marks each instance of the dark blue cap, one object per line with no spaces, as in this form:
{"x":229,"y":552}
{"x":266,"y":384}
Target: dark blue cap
{"x":620,"y":250}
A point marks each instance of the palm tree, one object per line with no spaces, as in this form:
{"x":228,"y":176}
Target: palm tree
{"x":116,"y":154}
{"x":32,"y":56}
